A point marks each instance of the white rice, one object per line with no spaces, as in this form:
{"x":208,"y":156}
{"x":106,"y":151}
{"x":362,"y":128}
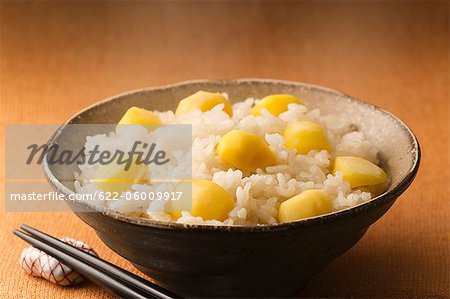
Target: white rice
{"x":257,"y":196}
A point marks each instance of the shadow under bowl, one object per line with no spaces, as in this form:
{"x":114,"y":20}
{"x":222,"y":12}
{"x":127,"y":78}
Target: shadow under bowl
{"x":236,"y":261}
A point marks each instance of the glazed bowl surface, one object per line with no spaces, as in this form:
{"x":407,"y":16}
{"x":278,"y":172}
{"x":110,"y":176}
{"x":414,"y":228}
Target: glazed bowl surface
{"x":238,"y":261}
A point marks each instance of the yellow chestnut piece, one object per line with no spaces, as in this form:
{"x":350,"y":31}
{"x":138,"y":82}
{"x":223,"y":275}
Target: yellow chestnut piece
{"x":359,"y":172}
{"x":209,"y":200}
{"x":114,"y":177}
{"x":245,"y":151}
{"x":307,"y":204}
{"x":204,"y":101}
{"x":275,"y":104}
{"x":140,"y":116}
{"x":375,"y":190}
{"x":305,"y":136}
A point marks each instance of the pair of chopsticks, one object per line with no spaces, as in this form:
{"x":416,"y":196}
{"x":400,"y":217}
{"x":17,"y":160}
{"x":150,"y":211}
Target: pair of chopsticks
{"x":121,"y":282}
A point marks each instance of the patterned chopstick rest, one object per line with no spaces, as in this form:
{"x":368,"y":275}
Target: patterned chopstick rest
{"x":39,"y":264}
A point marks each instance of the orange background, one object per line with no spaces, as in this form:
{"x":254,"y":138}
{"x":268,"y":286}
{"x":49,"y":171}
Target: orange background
{"x":58,"y":57}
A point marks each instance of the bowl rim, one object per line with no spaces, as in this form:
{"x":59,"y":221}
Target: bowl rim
{"x":330,"y":217}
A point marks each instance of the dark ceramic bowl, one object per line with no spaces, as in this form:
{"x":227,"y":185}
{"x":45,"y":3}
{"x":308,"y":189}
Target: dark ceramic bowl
{"x":260,"y":261}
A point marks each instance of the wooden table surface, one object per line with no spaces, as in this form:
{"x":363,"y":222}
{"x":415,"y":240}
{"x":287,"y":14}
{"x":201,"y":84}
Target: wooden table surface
{"x":58,"y":57}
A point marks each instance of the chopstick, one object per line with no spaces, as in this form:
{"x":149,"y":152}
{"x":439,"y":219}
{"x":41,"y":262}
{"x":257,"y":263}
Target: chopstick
{"x":116,"y":279}
{"x":103,"y":265}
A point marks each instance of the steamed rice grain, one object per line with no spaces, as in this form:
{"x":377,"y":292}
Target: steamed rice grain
{"x":257,"y":196}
